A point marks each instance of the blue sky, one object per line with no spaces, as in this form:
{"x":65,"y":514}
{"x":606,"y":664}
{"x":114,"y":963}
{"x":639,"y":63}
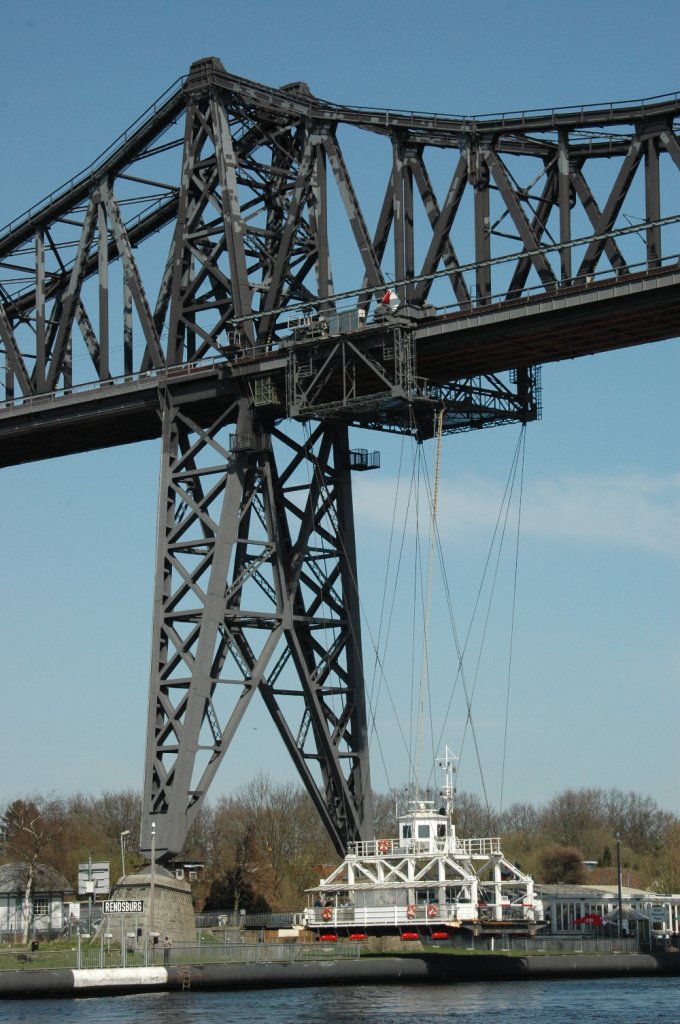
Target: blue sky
{"x":594,"y":694}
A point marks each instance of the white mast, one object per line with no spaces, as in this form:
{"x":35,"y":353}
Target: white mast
{"x":447,"y":767}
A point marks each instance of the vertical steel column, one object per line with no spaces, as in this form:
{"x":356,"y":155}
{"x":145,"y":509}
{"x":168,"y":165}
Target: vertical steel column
{"x":232,"y":220}
{"x":479,"y":177}
{"x":398,"y":212}
{"x":358,"y":719}
{"x":652,"y":203}
{"x":179,"y":263}
{"x":40,"y":335}
{"x":103,"y":266}
{"x":565,"y":192}
{"x":319,"y":225}
{"x":128,"y":338}
{"x":402,"y":179}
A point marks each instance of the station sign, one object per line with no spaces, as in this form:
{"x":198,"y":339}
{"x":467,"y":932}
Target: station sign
{"x":123,"y":906}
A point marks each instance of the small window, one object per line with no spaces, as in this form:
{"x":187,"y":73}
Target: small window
{"x":406,"y":831}
{"x":193,"y":875}
{"x":423,"y":831}
{"x":179,"y":873}
{"x":426,"y":896}
{"x":41,"y":908}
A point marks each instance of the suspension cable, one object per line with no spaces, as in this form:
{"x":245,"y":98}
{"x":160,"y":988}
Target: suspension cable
{"x":461,"y":675}
{"x":512,"y":620}
{"x":424,"y":665}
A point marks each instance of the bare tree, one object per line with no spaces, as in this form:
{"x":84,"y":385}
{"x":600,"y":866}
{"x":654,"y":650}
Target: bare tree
{"x":638,"y":819}
{"x":472,"y":817}
{"x":519,"y":818}
{"x":572,"y":817}
{"x":29,"y":827}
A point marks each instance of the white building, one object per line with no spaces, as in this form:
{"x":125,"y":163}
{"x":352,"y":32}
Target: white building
{"x":567,"y":906}
{"x":43,"y":912}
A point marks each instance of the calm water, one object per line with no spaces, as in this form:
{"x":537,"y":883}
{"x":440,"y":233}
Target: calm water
{"x":629,"y":1001}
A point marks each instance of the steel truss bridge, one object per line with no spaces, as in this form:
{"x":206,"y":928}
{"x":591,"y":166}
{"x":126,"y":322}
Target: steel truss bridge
{"x":217,"y":275}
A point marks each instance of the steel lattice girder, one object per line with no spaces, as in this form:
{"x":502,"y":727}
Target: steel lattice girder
{"x":262,"y":211}
{"x":256,"y":590}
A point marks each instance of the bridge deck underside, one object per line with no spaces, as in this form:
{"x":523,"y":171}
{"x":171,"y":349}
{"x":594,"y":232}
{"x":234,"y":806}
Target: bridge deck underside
{"x":526,"y":334}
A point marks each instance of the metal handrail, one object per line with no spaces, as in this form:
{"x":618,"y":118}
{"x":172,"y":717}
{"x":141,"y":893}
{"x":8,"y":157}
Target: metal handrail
{"x":87,"y":172}
{"x":134,"y":380}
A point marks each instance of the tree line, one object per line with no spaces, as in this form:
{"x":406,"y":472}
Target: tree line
{"x":260,"y":848}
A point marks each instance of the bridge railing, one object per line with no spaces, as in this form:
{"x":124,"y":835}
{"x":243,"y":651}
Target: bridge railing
{"x":608,"y":110}
{"x":541,"y":944}
{"x":134,"y":381}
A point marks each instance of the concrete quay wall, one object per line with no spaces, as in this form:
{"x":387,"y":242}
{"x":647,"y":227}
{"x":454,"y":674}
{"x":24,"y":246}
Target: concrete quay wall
{"x":435,"y":968}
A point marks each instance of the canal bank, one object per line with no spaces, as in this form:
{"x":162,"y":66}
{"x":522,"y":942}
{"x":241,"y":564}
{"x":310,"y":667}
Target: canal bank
{"x":421,"y":968}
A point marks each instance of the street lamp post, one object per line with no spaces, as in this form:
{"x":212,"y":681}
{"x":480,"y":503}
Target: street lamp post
{"x":122,"y":849}
{"x":152,"y":888}
{"x":618,"y":879}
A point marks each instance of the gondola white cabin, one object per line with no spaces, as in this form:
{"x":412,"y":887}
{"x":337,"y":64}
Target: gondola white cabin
{"x":426,"y":883}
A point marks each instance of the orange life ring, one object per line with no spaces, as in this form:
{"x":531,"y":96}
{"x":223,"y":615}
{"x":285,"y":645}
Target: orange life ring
{"x":327,"y":913}
{"x":411,"y":910}
{"x":432,"y":910}
{"x":383,"y":845}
